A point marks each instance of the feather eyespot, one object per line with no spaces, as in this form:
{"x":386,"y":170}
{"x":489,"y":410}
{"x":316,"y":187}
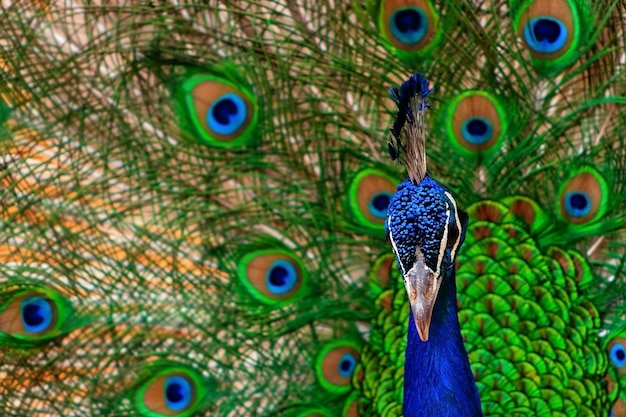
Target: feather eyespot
{"x":37,"y":314}
{"x":34,"y":315}
{"x":545,"y":35}
{"x":379,"y":203}
{"x":227,"y":114}
{"x":274,"y":277}
{"x":347,"y":363}
{"x":281,"y":277}
{"x":577,"y":203}
{"x":409,"y":26}
{"x":475,"y":122}
{"x":551,"y":31}
{"x":178,"y":392}
{"x":370,"y":194}
{"x":583,"y":197}
{"x":173,"y":391}
{"x":221,"y":113}
{"x":336,"y":364}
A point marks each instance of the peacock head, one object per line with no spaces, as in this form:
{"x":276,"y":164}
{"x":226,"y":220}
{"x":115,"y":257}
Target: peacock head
{"x":426,"y":229}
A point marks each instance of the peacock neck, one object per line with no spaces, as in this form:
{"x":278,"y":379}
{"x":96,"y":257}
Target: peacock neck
{"x":438,"y":381}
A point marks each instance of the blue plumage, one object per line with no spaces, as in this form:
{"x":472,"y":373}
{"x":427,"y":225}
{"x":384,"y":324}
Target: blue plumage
{"x":37,"y":314}
{"x":416,"y":216}
{"x":438,"y":381}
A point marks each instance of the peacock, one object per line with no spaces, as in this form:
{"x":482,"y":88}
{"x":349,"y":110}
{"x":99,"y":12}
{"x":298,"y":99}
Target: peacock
{"x":204,"y":208}
{"x":426,"y":230}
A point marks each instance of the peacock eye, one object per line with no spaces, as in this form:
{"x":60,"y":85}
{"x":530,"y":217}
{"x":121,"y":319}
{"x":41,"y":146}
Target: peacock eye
{"x":34,"y":315}
{"x":545,"y":34}
{"x":281,"y":277}
{"x":583,"y":197}
{"x":409,"y":25}
{"x":274,"y":277}
{"x":227,"y":114}
{"x":221,"y":112}
{"x":347,"y":364}
{"x":371,"y":192}
{"x":171,"y":391}
{"x":577,"y":204}
{"x":178,"y":393}
{"x":476,"y":122}
{"x":336,"y":364}
{"x":37,"y":314}
{"x":553,"y":30}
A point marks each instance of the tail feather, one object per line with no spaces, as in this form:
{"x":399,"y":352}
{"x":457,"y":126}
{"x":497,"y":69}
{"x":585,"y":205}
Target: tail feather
{"x":239,"y":245}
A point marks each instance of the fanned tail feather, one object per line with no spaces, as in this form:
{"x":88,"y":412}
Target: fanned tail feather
{"x":196,"y":192}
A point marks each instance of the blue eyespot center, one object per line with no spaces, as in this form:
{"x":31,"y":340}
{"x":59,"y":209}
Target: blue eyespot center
{"x":379,"y":204}
{"x":409,"y":24}
{"x":36,"y":314}
{"x":618,"y":355}
{"x":477,"y":130}
{"x":545,"y":34}
{"x":547,"y":29}
{"x":281,"y":277}
{"x":178,"y":393}
{"x":577,"y":204}
{"x":227,"y":114}
{"x":347,"y":363}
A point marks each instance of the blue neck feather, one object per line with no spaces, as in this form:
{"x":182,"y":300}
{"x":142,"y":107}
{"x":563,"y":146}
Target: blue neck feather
{"x":438,"y":381}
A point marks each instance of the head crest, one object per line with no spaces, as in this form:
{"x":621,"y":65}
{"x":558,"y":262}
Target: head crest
{"x":408,"y":137}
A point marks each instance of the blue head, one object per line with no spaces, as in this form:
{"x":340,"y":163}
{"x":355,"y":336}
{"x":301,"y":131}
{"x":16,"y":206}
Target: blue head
{"x":426,"y":229}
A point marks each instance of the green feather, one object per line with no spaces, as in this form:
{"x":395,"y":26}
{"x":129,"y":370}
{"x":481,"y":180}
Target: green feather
{"x":409,"y":43}
{"x":15,"y":331}
{"x":150,"y":393}
{"x":246,"y":256}
{"x":475,"y":110}
{"x":197,"y":111}
{"x":574,"y":16}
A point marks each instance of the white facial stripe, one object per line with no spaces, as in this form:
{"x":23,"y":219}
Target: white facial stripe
{"x":393,"y":245}
{"x":458,"y":224}
{"x":443,"y":243}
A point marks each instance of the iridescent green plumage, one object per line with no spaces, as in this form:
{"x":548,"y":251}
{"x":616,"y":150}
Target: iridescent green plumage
{"x":170,"y":246}
{"x":530,"y":332}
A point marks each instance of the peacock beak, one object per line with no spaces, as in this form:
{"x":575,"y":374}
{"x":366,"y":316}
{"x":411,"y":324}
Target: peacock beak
{"x":422,"y":286}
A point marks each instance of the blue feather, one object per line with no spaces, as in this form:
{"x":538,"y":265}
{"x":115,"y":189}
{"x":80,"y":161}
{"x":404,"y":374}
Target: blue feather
{"x":438,"y":381}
